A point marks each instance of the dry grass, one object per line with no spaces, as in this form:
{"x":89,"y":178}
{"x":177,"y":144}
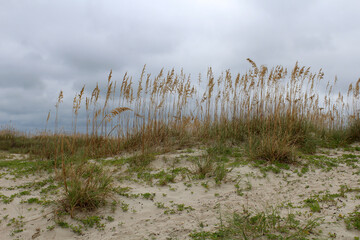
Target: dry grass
{"x":276,"y":113}
{"x":172,"y":104}
{"x":169,"y":109}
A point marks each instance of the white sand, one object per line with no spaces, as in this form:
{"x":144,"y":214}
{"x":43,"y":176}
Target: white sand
{"x":145,"y":220}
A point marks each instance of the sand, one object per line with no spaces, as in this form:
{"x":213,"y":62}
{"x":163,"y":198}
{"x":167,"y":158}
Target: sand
{"x":177,"y":209}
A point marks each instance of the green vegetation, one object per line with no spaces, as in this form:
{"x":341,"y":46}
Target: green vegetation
{"x":271,"y":225}
{"x":87,"y":186}
{"x":352,"y":221}
{"x":271,"y":118}
{"x":275,"y":112}
{"x":313,"y":204}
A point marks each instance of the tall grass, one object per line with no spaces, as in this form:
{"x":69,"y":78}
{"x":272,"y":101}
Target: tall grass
{"x":276,"y":112}
{"x":262,"y":103}
{"x":170,"y":108}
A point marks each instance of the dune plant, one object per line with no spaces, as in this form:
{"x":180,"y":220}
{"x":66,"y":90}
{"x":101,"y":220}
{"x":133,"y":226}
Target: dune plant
{"x":87,"y":186}
{"x":274,"y":112}
{"x":170,"y":108}
{"x":261,"y":225}
{"x":272,"y":147}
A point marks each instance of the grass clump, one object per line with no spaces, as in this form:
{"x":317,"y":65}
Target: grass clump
{"x":272,"y":148}
{"x":140,"y":162}
{"x":203,"y":166}
{"x":220,"y":173}
{"x":354,"y":130}
{"x":334,"y":138}
{"x":87,"y":186}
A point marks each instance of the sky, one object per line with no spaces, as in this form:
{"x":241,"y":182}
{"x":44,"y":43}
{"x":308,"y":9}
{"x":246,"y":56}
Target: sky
{"x":48,"y":46}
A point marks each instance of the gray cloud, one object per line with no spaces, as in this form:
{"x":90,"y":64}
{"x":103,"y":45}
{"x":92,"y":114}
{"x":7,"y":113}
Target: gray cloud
{"x":48,"y":46}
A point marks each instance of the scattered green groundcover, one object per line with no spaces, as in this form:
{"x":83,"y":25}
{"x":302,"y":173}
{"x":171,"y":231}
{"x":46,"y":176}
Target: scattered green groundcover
{"x":246,"y":225}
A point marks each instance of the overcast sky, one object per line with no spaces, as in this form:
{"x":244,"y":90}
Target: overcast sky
{"x":48,"y":46}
